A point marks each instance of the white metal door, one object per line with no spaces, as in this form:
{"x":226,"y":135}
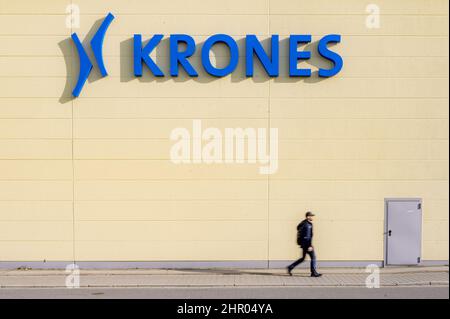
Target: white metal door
{"x":404,"y":232}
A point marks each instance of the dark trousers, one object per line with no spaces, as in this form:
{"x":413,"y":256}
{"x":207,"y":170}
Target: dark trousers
{"x":311,"y":254}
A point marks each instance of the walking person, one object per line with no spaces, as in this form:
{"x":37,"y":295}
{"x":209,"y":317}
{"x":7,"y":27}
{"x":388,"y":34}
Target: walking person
{"x":304,"y":240}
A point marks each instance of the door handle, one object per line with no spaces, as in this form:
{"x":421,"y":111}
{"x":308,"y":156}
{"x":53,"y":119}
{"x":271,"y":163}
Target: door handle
{"x":389,"y":232}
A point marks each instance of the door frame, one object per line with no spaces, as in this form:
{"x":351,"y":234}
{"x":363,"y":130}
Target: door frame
{"x":385,"y":232}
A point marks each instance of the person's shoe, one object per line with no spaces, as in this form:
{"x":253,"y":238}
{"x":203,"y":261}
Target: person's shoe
{"x":289,"y":271}
{"x":316,"y":274}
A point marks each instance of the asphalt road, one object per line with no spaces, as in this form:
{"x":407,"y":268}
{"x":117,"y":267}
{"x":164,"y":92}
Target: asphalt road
{"x":414,"y":292}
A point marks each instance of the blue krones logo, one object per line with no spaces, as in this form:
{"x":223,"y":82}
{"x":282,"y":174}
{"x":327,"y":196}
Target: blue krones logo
{"x":252,"y":51}
{"x":97,"y":49}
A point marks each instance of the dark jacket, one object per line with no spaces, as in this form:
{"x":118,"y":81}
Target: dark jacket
{"x":305,"y":234}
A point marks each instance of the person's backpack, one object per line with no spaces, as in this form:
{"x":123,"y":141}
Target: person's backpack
{"x":300,"y":233}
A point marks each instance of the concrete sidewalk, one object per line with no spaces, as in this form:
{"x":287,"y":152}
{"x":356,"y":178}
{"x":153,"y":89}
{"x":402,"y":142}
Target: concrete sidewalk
{"x":333,"y":277}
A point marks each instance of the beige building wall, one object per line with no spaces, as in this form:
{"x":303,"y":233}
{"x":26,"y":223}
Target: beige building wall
{"x":90,"y":179}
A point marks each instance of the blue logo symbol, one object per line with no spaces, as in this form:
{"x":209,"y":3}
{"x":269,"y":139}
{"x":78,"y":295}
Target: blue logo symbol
{"x":97,"y":49}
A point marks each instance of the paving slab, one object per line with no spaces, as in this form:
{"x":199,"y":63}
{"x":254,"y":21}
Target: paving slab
{"x":220,"y":278}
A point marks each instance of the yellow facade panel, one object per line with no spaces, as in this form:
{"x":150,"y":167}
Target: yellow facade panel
{"x":50,"y":87}
{"x":158,"y":7}
{"x":35,"y":149}
{"x":362,"y":128}
{"x":161,"y":170}
{"x":16,"y":108}
{"x":355,"y":88}
{"x":170,"y":190}
{"x":363,"y":108}
{"x":43,"y":251}
{"x":357,"y":190}
{"x":43,"y":46}
{"x":224,"y":87}
{"x":174,"y":210}
{"x":170,"y":250}
{"x":395,"y":46}
{"x":364,"y":149}
{"x":36,"y":211}
{"x":36,"y":230}
{"x":153,"y":128}
{"x":171,"y":231}
{"x":439,"y":7}
{"x":171,"y":108}
{"x":435,"y":210}
{"x":33,"y":25}
{"x":35,"y":128}
{"x":90,"y":179}
{"x":121,"y":148}
{"x":192,"y":24}
{"x":432,"y":25}
{"x":436,"y":230}
{"x":327,"y":210}
{"x":435,"y":250}
{"x":362,"y":170}
{"x":33,"y":66}
{"x":36,"y":190}
{"x":36,"y":170}
{"x":33,"y":7}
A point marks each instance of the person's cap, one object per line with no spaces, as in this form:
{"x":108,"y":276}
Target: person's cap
{"x":309,"y":214}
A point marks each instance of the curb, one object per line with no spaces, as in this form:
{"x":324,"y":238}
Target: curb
{"x":410,"y":284}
